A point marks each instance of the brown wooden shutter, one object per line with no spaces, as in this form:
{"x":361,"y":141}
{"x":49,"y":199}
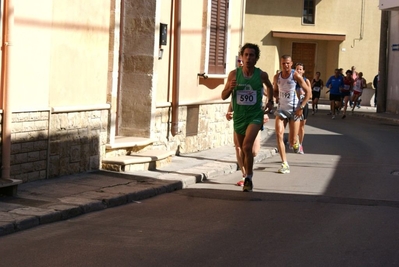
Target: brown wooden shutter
{"x":218,"y":37}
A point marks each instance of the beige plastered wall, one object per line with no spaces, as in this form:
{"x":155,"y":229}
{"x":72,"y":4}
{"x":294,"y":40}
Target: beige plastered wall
{"x":82,"y":32}
{"x":332,"y":17}
{"x":31,"y":46}
{"x":61,"y":53}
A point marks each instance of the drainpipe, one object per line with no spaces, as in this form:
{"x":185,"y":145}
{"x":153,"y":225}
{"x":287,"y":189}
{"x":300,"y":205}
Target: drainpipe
{"x":176,"y":68}
{"x":115,"y":84}
{"x":6,"y":80}
{"x":242,"y":20}
{"x":241,"y":35}
{"x":361,"y":25}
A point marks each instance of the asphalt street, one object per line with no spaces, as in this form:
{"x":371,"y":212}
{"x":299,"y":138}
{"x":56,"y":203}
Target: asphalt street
{"x":337,"y":207}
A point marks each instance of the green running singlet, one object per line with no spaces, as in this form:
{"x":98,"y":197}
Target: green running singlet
{"x":247,"y":101}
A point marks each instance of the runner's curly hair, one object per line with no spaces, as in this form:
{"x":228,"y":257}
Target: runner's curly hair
{"x":255,"y":47}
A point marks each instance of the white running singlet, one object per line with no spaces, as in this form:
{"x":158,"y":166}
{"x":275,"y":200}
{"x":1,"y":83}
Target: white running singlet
{"x":288,"y":99}
{"x":358,"y":86}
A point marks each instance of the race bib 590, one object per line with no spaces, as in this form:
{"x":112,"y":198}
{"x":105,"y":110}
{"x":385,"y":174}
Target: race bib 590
{"x":246,"y":97}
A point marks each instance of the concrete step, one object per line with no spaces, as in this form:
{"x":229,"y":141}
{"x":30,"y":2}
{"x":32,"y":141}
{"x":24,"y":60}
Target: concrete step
{"x":143,"y":160}
{"x":9,"y":187}
{"x":125,"y":145}
{"x":129,"y":141}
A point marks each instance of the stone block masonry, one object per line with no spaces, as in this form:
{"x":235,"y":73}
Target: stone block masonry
{"x":77,"y":141}
{"x":205,"y":127}
{"x":29,"y":145}
{"x":46,"y":145}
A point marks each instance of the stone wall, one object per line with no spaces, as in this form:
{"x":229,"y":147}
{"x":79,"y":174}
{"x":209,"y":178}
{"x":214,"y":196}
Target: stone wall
{"x":29,"y":145}
{"x":77,"y":141}
{"x":137,"y":68}
{"x":46,"y":145}
{"x":201,"y":127}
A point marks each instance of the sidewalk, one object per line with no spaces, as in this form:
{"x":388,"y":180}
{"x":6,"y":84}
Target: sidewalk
{"x":62,"y":198}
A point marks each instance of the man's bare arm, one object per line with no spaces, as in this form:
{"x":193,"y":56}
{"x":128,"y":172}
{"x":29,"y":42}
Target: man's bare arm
{"x":310,"y":87}
{"x":269,"y":88}
{"x":229,"y":113}
{"x":275,"y":87}
{"x":230,"y":84}
{"x":305,"y":87}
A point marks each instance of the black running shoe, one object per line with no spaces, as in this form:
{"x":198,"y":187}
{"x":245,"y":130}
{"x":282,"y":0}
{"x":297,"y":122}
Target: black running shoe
{"x":247,"y":185}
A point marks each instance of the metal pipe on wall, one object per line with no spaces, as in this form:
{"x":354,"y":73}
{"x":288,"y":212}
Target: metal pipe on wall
{"x":176,"y":68}
{"x":242,"y":22}
{"x":361,"y":25}
{"x":6,"y":83}
{"x":115,"y":80}
{"x":168,"y":97}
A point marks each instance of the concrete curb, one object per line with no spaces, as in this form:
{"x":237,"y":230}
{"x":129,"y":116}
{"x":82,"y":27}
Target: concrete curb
{"x":377,"y":117}
{"x":18,"y":217}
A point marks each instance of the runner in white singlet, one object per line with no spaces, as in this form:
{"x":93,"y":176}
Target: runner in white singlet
{"x":288,"y":99}
{"x":289,"y":108}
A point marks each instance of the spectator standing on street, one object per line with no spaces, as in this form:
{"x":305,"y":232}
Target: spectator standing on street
{"x":289,"y":107}
{"x":334,"y":85}
{"x":246,"y":85}
{"x":375,"y":84}
{"x":317,"y":85}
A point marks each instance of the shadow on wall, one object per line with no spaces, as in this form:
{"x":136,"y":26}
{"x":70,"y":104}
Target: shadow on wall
{"x":268,"y":7}
{"x":72,"y":143}
{"x":211,"y":83}
{"x":368,"y":97}
{"x":269,"y":40}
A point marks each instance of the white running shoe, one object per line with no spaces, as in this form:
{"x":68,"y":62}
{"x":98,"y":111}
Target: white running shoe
{"x":285,"y":168}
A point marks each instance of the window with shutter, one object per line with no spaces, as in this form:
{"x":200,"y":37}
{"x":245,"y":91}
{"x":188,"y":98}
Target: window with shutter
{"x":218,"y":37}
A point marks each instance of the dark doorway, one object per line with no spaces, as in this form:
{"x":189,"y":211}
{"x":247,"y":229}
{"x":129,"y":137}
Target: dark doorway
{"x":305,"y":53}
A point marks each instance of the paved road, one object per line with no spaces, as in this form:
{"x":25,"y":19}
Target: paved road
{"x":338,"y":207}
{"x":348,"y":158}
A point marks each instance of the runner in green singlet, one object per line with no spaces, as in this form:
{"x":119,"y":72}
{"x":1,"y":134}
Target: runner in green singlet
{"x":246,"y":86}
